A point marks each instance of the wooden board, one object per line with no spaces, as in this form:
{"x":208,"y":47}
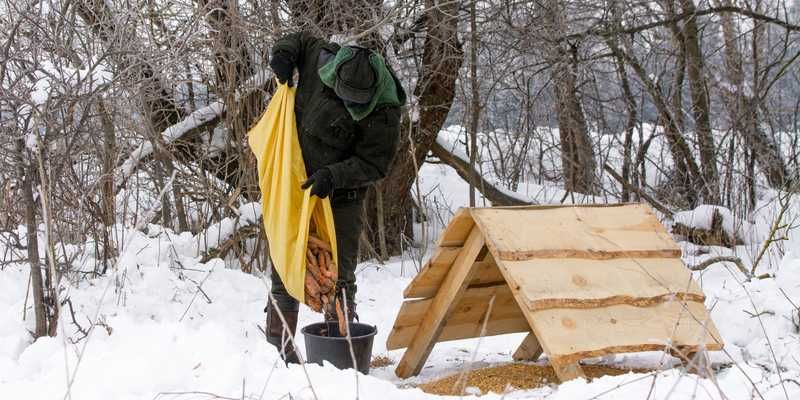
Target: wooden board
{"x":427,"y":281}
{"x":442,"y":306}
{"x":569,"y":335}
{"x":564,"y":371}
{"x":426,"y":286}
{"x":457,"y":230}
{"x":466,"y":319}
{"x":529,"y":350}
{"x":575,"y":232}
{"x":583,"y":283}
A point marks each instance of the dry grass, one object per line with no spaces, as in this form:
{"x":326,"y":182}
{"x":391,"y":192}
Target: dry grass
{"x":380,"y":362}
{"x":518,"y":376}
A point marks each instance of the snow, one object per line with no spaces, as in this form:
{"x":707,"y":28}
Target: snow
{"x":160,"y":334}
{"x":167,"y":326}
{"x":452,"y":139}
{"x":701,"y":218}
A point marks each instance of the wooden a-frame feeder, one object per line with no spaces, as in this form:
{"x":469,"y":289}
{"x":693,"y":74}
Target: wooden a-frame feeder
{"x":583,"y":281}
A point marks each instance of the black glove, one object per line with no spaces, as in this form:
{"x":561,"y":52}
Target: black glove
{"x":283,"y":67}
{"x":322,"y":182}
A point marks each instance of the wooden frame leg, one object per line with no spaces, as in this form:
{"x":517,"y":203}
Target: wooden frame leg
{"x":529,"y":350}
{"x":443,"y":304}
{"x":695,"y":362}
{"x":567,"y":371}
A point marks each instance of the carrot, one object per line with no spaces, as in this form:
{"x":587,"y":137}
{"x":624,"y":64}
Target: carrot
{"x":315,"y":271}
{"x":332,"y":268}
{"x":342,"y":320}
{"x":311,"y":258}
{"x":317,"y":242}
{"x":312,"y":287}
{"x":313,"y":303}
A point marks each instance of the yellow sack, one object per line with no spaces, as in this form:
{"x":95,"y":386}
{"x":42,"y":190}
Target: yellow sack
{"x":286,"y":208}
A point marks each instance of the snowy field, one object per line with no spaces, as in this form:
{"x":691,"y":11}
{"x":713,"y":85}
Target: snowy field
{"x":169,"y":327}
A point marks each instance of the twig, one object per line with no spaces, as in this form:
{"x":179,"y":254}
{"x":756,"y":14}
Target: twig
{"x":27,"y":292}
{"x":769,"y":342}
{"x":657,"y":205}
{"x":461,"y":382}
{"x":794,"y":320}
{"x":349,"y":339}
{"x":732,"y":259}
{"x":776,"y":225}
{"x":210,"y":395}
{"x":199,"y":289}
{"x":85,"y":333}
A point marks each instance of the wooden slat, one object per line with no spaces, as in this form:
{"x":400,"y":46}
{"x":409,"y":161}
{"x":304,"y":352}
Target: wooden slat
{"x":575,"y":232}
{"x":567,"y":370}
{"x":430,"y":277}
{"x":457,"y":230}
{"x":569,"y":335}
{"x":582,"y":283}
{"x":467,"y":318}
{"x":442,"y":306}
{"x":529,"y":350}
{"x":562,"y":372}
{"x":485,"y":274}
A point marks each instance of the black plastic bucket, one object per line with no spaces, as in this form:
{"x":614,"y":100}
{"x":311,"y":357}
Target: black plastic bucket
{"x":335,"y":349}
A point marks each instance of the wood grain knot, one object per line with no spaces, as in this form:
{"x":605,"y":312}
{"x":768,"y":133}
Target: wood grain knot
{"x":614,"y":321}
{"x":568,"y":323}
{"x":579,"y":280}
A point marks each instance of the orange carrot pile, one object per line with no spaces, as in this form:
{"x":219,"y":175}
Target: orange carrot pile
{"x":321,"y":275}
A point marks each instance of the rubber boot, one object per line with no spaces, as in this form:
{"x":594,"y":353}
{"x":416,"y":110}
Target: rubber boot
{"x":276,"y":334}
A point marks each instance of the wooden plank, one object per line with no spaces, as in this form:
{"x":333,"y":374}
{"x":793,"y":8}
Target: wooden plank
{"x":529,"y":350}
{"x":466,"y":320}
{"x":594,"y":233}
{"x":427,"y":281}
{"x":567,"y":371}
{"x":569,"y":335}
{"x":442,"y":306}
{"x":581,"y":283}
{"x":486,"y":274}
{"x":563,"y":373}
{"x":457,"y":230}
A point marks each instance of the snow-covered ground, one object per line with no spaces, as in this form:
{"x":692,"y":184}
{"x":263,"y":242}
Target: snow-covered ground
{"x":167,"y":326}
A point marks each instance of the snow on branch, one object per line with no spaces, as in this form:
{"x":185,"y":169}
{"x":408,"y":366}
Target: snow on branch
{"x":196,"y":119}
{"x":456,"y":158}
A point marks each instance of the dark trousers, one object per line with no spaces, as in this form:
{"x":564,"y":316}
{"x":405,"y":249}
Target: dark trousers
{"x":348,"y":220}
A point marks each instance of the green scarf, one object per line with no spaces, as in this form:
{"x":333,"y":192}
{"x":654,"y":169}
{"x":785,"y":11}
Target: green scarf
{"x":388,"y":92}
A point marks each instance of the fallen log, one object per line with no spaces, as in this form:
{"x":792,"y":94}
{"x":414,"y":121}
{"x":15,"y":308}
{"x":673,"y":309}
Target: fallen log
{"x":497,"y":196}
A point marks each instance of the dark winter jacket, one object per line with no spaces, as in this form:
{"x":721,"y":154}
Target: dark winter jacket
{"x":356,"y":152}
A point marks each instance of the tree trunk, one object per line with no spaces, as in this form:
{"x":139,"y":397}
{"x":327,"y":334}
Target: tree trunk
{"x":743,"y":105}
{"x":108,"y":194}
{"x":686,"y":170}
{"x":700,"y":105}
{"x":475,"y":102}
{"x":630,"y":126}
{"x":577,"y":154}
{"x":25,"y":170}
{"x":441,"y":60}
